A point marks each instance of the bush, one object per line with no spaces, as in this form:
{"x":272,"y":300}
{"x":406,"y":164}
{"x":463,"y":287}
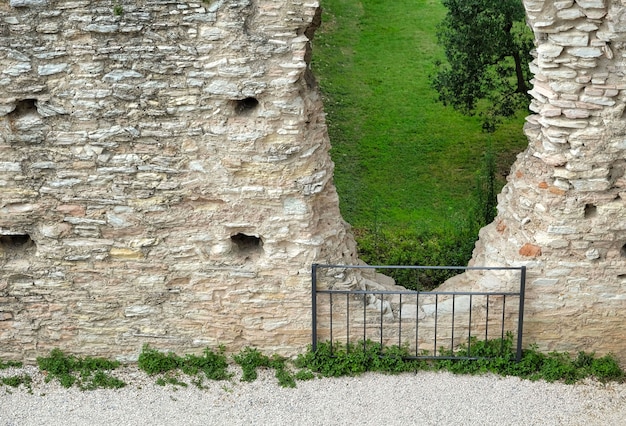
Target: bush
{"x":449,"y":247}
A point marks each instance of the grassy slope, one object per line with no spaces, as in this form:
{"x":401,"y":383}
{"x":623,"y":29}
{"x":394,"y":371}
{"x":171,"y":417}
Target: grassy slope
{"x":403,"y":160}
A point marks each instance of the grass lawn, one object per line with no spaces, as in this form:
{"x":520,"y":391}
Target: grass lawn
{"x":403,"y":160}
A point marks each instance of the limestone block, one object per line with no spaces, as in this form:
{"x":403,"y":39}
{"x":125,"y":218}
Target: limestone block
{"x":570,"y":39}
{"x":27,"y":3}
{"x":585,"y":52}
{"x":591,"y":4}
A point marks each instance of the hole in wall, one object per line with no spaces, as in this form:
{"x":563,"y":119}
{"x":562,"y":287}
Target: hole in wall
{"x":24,"y":107}
{"x":16,"y":242}
{"x":623,"y":251}
{"x":243,"y":106}
{"x":247,"y":243}
{"x":621,"y":276}
{"x":591,"y":211}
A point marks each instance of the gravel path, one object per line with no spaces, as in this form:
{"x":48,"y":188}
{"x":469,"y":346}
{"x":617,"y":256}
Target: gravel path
{"x":425,"y":398}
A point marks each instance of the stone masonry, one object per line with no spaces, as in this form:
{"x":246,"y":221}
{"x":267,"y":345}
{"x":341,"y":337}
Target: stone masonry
{"x":165,"y":179}
{"x":164,"y":176}
{"x":563,"y":211}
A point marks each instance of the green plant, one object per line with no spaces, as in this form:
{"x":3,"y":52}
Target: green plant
{"x":170,"y":380}
{"x":398,"y":169}
{"x":88,"y":373}
{"x":494,"y":356}
{"x":304,"y":374}
{"x":153,"y":361}
{"x":118,"y":9}
{"x":213,"y":365}
{"x":16,"y":381}
{"x":249,"y":359}
{"x":451,"y":246}
{"x":352,"y":359}
{"x":8,"y":364}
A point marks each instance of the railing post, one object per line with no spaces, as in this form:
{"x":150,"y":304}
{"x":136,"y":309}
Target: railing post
{"x":314,"y":307}
{"x":520,"y":323}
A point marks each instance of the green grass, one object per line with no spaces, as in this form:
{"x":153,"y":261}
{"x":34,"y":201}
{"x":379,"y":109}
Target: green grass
{"x":403,"y":160}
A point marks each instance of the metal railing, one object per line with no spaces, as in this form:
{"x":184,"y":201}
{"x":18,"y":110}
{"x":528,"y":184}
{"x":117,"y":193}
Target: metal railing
{"x":444,"y":323}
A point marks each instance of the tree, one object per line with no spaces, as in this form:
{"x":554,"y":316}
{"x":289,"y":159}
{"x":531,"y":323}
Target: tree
{"x":487,"y":44}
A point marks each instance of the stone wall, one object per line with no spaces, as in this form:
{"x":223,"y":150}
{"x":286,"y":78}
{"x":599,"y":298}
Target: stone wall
{"x":563,"y":211}
{"x":164,"y":176}
{"x":165,"y":179}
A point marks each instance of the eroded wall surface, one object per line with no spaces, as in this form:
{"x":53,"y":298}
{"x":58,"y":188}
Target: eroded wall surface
{"x":164,"y":176}
{"x":563,"y":211}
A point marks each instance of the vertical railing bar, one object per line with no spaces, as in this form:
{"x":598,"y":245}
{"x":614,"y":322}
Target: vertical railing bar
{"x":436,"y":315}
{"x":364,"y":319}
{"x":469,"y":329}
{"x":331,"y":324}
{"x":417,"y":322}
{"x":452,"y":339}
{"x":400,"y":323}
{"x":381,"y":321}
{"x":502,"y":331}
{"x":487,"y":320}
{"x":348,"y":322}
{"x":314,"y":307}
{"x":520,"y":320}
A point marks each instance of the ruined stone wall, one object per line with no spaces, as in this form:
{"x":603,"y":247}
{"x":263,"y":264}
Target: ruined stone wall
{"x":164,"y":176}
{"x":563,"y":211}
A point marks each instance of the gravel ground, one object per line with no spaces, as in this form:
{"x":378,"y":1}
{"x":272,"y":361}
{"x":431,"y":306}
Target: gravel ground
{"x":424,"y":398}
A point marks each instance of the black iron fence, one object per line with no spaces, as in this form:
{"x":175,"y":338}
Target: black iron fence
{"x":432,"y":324}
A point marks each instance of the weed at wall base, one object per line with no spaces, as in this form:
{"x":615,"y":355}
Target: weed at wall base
{"x":87,"y":373}
{"x":494,"y":356}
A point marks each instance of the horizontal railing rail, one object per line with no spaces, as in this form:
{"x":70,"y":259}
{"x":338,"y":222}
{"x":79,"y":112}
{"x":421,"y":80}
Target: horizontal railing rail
{"x":383,"y":326}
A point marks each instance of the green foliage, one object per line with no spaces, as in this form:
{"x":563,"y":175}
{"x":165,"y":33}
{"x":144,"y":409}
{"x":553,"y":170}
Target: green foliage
{"x":413,"y":176}
{"x":9,"y":364}
{"x":352,"y":359}
{"x":487,"y":46}
{"x":213,"y":365}
{"x":16,"y":381}
{"x":170,"y":380}
{"x":153,"y":361}
{"x":118,"y":9}
{"x":495,"y":356}
{"x":606,"y":369}
{"x":87,"y":373}
{"x":449,"y":246}
{"x":404,"y":163}
{"x":304,"y":374}
{"x":249,"y":359}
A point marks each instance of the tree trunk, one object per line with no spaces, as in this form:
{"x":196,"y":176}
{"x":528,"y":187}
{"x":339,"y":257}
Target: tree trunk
{"x":521,"y":82}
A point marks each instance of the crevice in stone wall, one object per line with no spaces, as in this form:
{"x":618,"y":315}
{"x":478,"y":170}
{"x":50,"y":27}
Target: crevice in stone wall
{"x":246,"y":105}
{"x":16,"y":243}
{"x":623,"y":251}
{"x":309,"y":32}
{"x":24,"y":107}
{"x":591,"y":211}
{"x":245,"y":243}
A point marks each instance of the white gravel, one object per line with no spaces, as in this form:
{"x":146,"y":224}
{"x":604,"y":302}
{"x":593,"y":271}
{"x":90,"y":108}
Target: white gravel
{"x":424,"y":398}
